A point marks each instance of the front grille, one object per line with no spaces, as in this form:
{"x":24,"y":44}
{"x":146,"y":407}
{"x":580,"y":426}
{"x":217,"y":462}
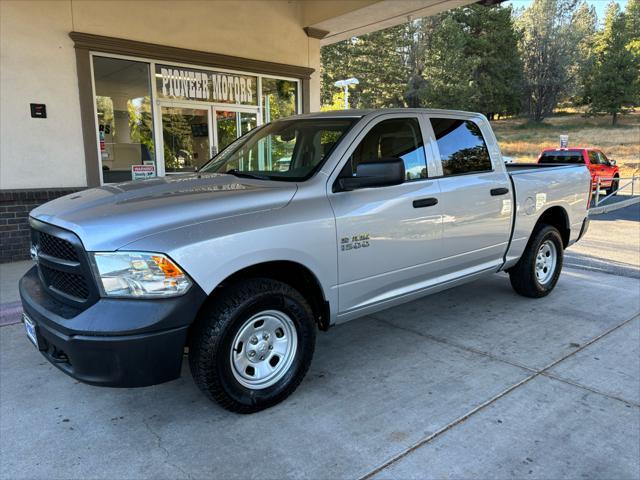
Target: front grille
{"x":65,"y":282}
{"x":63,"y":265}
{"x":56,"y":247}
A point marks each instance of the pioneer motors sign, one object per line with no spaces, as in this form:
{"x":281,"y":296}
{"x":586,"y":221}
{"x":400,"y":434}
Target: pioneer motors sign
{"x":188,"y":84}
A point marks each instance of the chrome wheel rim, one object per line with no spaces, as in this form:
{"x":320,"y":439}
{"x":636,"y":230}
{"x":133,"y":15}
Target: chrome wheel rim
{"x":546,"y":261}
{"x":263,"y":349}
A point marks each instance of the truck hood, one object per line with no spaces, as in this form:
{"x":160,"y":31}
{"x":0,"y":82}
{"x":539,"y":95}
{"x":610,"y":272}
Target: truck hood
{"x":110,"y":217}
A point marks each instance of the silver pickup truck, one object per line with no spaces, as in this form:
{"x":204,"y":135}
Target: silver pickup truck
{"x":300,"y":224}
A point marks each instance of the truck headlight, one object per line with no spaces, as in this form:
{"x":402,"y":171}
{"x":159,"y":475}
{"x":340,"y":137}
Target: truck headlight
{"x":139,"y":274}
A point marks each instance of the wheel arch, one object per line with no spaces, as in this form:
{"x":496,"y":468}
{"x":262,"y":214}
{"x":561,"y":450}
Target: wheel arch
{"x":292,"y":273}
{"x":557,"y":217}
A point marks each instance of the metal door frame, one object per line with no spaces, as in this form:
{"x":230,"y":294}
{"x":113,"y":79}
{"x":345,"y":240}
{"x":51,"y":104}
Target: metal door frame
{"x":212,"y":109}
{"x":215,"y":108}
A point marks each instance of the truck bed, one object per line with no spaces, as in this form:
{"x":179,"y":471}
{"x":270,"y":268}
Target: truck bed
{"x":538,"y":187}
{"x":518,"y":168}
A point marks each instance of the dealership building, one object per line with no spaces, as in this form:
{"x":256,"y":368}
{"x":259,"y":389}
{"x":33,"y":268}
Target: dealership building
{"x":100,"y":92}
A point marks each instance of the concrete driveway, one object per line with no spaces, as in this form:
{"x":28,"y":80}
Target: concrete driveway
{"x":475,"y":382}
{"x":611,"y":245}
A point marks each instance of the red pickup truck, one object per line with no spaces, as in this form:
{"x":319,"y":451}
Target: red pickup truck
{"x":596,"y":161}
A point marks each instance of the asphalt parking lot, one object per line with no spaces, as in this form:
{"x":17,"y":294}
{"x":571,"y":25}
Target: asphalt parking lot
{"x":474,"y":382}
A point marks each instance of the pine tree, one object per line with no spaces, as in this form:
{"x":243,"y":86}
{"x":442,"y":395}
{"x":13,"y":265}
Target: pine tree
{"x":548,"y":47}
{"x":447,"y":70}
{"x":614,"y":84}
{"x":492,"y":49}
{"x":632,"y":20}
{"x":377,"y":60}
{"x":584,"y":27}
{"x":419,"y":37}
{"x":335,"y":65}
{"x":379,"y":65}
{"x":472,"y":62}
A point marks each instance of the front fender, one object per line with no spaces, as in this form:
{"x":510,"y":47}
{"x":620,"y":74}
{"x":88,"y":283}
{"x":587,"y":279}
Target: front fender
{"x":211,"y":252}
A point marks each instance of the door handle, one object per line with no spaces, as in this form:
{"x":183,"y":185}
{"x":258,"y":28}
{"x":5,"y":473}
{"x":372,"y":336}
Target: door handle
{"x":425,"y":202}
{"x":499,"y":191}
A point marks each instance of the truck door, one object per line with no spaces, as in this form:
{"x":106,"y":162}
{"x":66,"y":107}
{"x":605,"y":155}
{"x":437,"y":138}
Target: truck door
{"x":476,"y":200}
{"x":605,"y":169}
{"x":593,"y":165}
{"x":388,"y":237}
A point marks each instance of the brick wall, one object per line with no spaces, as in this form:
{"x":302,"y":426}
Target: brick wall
{"x":15,"y":206}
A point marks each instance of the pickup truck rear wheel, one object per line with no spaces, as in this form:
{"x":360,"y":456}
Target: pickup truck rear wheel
{"x":252,"y":344}
{"x":538,"y":270}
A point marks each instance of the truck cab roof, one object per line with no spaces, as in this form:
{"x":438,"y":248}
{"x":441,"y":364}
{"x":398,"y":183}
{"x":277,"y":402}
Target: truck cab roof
{"x":360,"y":113}
{"x":568,"y":149}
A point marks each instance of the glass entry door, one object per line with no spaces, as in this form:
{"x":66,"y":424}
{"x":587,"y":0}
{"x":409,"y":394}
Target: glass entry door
{"x":191,"y":135}
{"x":186,"y":138}
{"x":232,"y":124}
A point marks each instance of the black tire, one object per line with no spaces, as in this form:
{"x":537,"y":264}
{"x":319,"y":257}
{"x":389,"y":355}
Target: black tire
{"x":523,"y":275}
{"x":614,"y":186}
{"x":210,"y":342}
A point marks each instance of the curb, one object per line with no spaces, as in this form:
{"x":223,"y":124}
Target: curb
{"x":10,"y":313}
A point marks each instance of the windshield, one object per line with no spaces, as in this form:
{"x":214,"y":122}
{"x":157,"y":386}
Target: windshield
{"x":284,"y":150}
{"x":562,"y":156}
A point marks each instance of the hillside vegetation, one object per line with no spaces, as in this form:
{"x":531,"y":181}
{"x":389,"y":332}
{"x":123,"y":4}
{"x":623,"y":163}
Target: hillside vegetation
{"x":524,"y":140}
{"x":497,"y":60}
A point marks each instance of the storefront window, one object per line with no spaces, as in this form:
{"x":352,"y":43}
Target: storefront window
{"x":279,"y":98}
{"x":125,"y":120}
{"x":195,"y":113}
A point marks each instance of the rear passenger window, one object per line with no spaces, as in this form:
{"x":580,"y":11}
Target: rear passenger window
{"x":462,"y":147}
{"x":395,"y":138}
{"x":593,"y":158}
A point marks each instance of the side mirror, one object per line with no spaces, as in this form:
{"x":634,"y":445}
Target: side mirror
{"x":612,"y":162}
{"x":388,"y":171}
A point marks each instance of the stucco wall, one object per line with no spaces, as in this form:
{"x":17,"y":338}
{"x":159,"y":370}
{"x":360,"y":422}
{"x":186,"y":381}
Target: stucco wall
{"x":38,"y":65}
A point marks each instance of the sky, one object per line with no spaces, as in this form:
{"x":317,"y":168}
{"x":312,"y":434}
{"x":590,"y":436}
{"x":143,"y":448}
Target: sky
{"x":601,"y":5}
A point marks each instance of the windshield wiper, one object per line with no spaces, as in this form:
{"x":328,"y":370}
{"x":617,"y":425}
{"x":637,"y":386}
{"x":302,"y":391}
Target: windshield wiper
{"x":238,"y":173}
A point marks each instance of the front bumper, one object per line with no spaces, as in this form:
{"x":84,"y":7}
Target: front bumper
{"x":114,"y":342}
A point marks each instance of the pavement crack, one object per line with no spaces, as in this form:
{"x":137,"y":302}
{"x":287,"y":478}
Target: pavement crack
{"x":590,"y":342}
{"x":159,"y":444}
{"x":446,"y":428}
{"x":591,"y":389}
{"x":535,"y":373}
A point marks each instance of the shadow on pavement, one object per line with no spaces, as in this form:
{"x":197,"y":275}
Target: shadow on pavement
{"x":631,"y":213}
{"x":601,"y":264}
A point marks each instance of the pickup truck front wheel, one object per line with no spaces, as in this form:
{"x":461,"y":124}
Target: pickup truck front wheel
{"x":614,"y":186}
{"x":538,"y":270}
{"x":252,"y":345}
